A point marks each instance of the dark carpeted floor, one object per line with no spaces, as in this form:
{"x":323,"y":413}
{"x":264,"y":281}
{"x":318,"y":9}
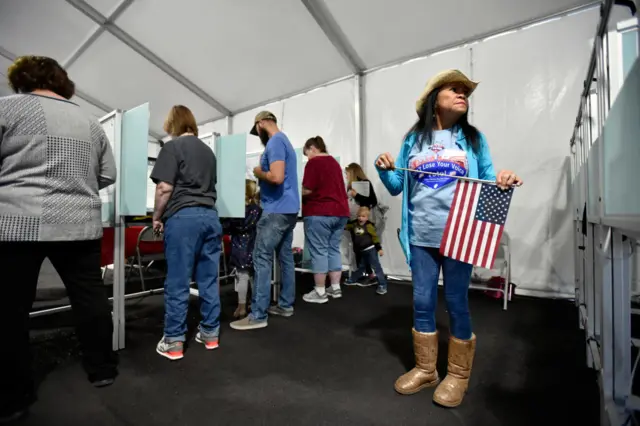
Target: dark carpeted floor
{"x":332,"y":364}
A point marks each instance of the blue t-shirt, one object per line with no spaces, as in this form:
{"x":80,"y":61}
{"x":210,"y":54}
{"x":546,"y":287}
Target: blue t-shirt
{"x":283,"y":198}
{"x":431,"y":196}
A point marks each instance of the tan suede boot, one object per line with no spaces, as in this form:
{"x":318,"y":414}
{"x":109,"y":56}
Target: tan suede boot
{"x":452,"y":389}
{"x":424,"y":375}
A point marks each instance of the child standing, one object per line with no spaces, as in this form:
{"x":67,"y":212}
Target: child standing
{"x":243,"y":237}
{"x":366,"y":244}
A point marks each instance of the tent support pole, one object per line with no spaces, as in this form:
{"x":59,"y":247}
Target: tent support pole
{"x":360,"y":117}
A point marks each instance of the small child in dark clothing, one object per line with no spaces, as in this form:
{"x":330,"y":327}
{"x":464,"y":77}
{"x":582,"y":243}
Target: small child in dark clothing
{"x":243,"y":237}
{"x":367,"y":244}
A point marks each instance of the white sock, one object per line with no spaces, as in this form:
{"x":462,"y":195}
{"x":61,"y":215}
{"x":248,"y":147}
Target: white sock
{"x":320,"y":290}
{"x":335,"y":286}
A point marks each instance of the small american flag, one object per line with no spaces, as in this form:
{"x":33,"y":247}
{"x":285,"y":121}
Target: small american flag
{"x":475,"y":223}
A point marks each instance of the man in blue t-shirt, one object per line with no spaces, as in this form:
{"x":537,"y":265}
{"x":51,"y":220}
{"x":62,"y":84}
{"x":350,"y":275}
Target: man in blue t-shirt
{"x":280,"y":199}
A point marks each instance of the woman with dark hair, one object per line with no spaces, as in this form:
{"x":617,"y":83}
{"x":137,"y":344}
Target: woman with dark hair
{"x":325,"y":211}
{"x":442,"y":141}
{"x":54,"y":159}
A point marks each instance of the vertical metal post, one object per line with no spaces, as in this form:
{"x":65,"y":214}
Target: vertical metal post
{"x":600,"y":82}
{"x":581,"y":264}
{"x":590,"y":296}
{"x":597,"y":286}
{"x":358,"y":81}
{"x":606,"y":333}
{"x":229,"y":120}
{"x":621,"y":312}
{"x":606,"y":73}
{"x":118,"y":247}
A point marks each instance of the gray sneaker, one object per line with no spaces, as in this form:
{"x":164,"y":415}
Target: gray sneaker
{"x":247,"y":323}
{"x":279,"y":311}
{"x":209,"y":342}
{"x":314,"y":297}
{"x":171,"y":350}
{"x":381,"y":290}
{"x":336,"y":294}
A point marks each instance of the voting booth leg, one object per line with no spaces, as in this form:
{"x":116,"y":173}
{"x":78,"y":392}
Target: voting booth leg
{"x":604,"y":275}
{"x":118,"y":286}
{"x":622,"y":254}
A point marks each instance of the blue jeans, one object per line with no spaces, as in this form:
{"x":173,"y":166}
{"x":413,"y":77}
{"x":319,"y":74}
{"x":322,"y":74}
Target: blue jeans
{"x":274,"y":233}
{"x":369,"y":258}
{"x":192,"y":243}
{"x":323,"y":235}
{"x":425,"y":265}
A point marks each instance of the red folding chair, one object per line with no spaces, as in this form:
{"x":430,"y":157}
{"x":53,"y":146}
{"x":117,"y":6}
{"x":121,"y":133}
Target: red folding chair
{"x":149,"y":247}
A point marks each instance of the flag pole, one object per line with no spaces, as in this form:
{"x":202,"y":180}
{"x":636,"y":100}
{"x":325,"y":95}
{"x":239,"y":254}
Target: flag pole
{"x":468,"y":179}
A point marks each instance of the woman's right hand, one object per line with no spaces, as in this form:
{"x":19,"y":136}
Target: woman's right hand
{"x":385,"y":162}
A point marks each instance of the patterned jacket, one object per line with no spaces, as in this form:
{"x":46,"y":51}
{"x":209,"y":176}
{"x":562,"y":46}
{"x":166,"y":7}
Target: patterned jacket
{"x":54,"y":158}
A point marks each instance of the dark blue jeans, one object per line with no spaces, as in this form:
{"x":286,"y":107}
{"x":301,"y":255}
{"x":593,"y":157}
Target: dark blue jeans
{"x":425,"y":267}
{"x":369,"y":259}
{"x":275,"y":234}
{"x":192,"y":245}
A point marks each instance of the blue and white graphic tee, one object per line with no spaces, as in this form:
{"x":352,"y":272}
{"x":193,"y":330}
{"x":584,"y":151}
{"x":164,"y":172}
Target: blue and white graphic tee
{"x":431,"y":196}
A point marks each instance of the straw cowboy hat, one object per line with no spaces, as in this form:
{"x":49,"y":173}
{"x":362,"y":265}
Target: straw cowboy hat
{"x":442,"y":78}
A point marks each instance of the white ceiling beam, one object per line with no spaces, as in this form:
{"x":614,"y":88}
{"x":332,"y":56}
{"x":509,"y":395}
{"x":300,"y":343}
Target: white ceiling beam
{"x":79,"y":93}
{"x":327,"y":23}
{"x":125,"y":38}
{"x":124,"y":4}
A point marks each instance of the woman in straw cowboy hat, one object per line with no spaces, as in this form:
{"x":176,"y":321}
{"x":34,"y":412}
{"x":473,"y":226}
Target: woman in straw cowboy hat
{"x":442,"y":141}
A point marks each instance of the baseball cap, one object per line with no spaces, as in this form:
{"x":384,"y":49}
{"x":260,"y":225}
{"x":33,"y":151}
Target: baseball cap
{"x":262,"y":115}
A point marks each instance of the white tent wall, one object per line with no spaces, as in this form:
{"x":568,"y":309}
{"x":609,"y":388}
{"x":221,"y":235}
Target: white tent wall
{"x":527,"y":109}
{"x":218,"y":126}
{"x":326,"y":112}
{"x":531,"y":81}
{"x":153,"y":148}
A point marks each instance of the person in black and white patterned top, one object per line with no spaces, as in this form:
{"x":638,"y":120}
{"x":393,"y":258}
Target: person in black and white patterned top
{"x":54,"y":158}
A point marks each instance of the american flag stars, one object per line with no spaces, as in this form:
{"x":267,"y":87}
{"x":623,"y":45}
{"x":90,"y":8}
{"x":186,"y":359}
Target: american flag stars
{"x":494,"y":204}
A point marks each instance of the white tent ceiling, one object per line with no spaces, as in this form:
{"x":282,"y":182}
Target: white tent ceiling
{"x":221,"y":57}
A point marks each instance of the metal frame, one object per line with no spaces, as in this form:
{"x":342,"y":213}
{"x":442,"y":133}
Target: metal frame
{"x":359,"y":114}
{"x":125,"y":38}
{"x":118,"y":248}
{"x":603,"y":256}
{"x":119,"y":10}
{"x":321,"y":14}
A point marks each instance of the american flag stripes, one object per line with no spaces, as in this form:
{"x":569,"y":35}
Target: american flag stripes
{"x":475,"y":223}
